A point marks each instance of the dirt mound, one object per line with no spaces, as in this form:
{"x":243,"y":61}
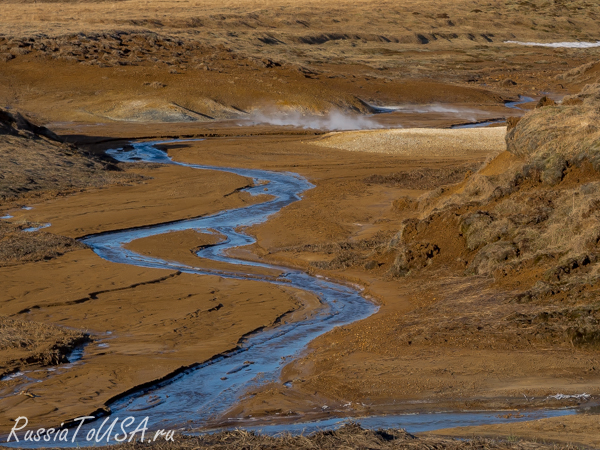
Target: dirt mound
{"x":36,"y":159}
{"x":585,"y":73}
{"x":36,"y":162}
{"x":17,"y":125}
{"x":530,"y":220}
{"x":554,"y":138}
{"x":113,"y":48}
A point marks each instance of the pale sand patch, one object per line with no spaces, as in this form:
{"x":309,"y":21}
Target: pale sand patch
{"x":420,"y":141}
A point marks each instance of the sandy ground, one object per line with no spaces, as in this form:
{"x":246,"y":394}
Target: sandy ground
{"x":201,"y":69}
{"x":144,"y":323}
{"x":422,"y":143}
{"x":354,"y":364}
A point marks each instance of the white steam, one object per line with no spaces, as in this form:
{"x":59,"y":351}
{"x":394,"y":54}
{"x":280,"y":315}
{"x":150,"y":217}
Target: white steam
{"x":333,"y":121}
{"x":557,"y":44}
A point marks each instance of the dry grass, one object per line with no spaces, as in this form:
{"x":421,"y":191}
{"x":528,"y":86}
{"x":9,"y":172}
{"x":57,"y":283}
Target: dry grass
{"x":557,"y":137}
{"x":460,"y":39}
{"x":542,"y":203}
{"x":28,"y":335}
{"x":273,"y":25}
{"x":24,"y":343}
{"x":35,"y":159}
{"x":530,"y":221}
{"x":350,"y":436}
{"x":17,"y":246}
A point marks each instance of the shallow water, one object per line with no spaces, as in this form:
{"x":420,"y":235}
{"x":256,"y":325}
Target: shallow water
{"x":522,"y":100}
{"x":203,"y":392}
{"x":36,"y":228}
{"x":487,"y":123}
{"x":191,"y":398}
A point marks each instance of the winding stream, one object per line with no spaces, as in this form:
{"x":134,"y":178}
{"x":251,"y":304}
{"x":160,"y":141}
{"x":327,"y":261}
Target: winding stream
{"x":201,"y":393}
{"x":193,"y":397}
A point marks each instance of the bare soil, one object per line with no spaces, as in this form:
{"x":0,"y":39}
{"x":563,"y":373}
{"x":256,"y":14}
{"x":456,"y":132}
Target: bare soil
{"x":483,"y":260}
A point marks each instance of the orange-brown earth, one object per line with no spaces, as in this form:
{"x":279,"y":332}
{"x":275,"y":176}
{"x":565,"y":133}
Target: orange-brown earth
{"x":80,"y":290}
{"x":391,"y":361}
{"x":106,"y":62}
{"x":99,"y":73}
{"x":152,"y":321}
{"x":363,"y":363}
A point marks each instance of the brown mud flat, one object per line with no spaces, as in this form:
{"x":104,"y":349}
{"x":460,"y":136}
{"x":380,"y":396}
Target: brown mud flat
{"x":82,"y":291}
{"x":346,"y":214}
{"x":356,"y":206}
{"x":461,"y":325}
{"x":143,"y":323}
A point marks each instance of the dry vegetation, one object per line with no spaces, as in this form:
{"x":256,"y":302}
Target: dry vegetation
{"x":35,"y":159}
{"x":235,"y":56}
{"x":349,"y":31}
{"x":520,"y":234}
{"x":25,"y":343}
{"x":35,"y":162}
{"x":350,"y":436}
{"x":530,"y":220}
{"x":17,"y":246}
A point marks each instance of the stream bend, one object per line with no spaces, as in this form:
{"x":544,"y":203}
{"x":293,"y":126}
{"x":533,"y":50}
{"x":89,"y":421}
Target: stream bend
{"x":195,"y":396}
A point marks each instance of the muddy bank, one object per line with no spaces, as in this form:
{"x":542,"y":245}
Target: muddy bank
{"x":152,"y":320}
{"x":91,"y":293}
{"x":462,"y":325}
{"x":337,"y":238}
